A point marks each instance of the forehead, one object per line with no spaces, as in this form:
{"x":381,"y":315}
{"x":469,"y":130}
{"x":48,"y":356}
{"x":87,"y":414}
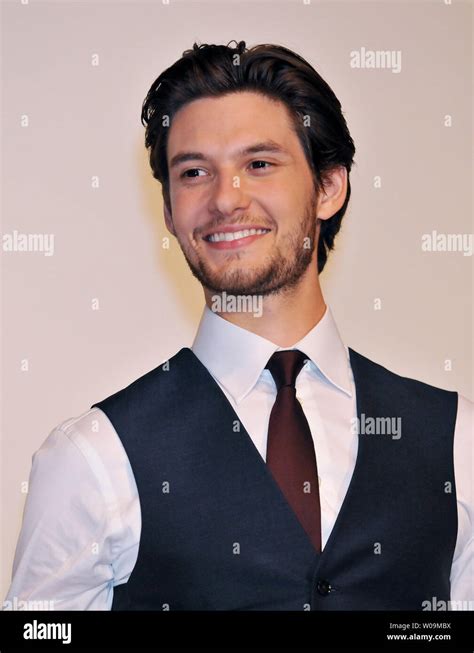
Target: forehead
{"x":229,"y":120}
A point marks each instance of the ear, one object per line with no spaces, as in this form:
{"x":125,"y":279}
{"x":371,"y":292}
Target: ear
{"x":168,"y":217}
{"x":333,"y":196}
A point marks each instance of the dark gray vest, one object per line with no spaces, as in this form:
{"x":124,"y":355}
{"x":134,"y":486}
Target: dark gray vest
{"x":218,"y":534}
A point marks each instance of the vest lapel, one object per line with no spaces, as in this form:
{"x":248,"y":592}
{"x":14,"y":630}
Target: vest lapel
{"x":238,"y":445}
{"x":219,"y":409}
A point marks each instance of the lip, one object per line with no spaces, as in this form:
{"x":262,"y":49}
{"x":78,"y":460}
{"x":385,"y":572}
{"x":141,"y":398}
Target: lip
{"x":239,"y":242}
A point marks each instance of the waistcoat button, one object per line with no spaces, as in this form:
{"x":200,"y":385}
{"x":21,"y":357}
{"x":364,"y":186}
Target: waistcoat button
{"x":323,"y":587}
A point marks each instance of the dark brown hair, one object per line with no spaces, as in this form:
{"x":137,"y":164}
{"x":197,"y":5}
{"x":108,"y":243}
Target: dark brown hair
{"x":274,"y":71}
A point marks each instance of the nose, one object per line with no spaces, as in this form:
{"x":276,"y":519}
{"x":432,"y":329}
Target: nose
{"x":228,"y":194}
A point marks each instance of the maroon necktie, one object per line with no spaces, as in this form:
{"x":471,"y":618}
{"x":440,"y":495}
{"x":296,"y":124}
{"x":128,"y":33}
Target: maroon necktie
{"x":290,"y":449}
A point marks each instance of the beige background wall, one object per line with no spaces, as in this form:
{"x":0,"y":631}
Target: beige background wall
{"x":83,"y":121}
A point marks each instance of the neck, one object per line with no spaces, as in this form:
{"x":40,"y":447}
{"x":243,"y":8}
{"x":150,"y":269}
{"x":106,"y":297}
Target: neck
{"x":283,"y":317}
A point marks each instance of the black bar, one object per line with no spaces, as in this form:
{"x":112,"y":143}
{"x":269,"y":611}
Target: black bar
{"x":135,"y":630}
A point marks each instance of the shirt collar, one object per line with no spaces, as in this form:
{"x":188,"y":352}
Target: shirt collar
{"x":236,"y":357}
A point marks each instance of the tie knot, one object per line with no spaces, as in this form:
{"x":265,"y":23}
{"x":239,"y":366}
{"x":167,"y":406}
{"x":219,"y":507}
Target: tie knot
{"x":285,"y":366}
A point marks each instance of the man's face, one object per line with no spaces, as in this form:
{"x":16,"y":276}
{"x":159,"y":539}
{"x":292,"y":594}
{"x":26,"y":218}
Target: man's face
{"x":235,"y":165}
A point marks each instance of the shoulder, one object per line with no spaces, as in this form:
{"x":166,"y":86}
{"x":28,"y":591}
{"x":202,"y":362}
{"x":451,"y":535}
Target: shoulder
{"x":64,"y":485}
{"x":170,"y":376}
{"x":79,"y":451}
{"x":76,"y":434}
{"x":465,"y":421}
{"x":411,"y":391}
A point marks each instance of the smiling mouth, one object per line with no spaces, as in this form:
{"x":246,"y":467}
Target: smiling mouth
{"x":227,"y":236}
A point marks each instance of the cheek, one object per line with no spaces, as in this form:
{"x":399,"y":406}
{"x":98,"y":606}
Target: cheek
{"x":184,"y":211}
{"x":283,"y":206}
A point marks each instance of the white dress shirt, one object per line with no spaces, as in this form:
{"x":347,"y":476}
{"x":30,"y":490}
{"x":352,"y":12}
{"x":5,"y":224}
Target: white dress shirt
{"x":81,"y":522}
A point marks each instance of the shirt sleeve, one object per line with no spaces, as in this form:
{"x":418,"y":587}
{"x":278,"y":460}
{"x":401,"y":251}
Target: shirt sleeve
{"x":462,"y":570}
{"x":63,"y":556}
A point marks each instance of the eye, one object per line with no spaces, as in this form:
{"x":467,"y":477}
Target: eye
{"x":260,"y":167}
{"x":185,"y":173}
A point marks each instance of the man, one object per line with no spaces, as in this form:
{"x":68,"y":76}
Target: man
{"x":269,"y":467}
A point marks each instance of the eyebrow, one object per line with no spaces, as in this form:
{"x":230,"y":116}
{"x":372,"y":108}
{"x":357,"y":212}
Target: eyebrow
{"x":264,"y":146}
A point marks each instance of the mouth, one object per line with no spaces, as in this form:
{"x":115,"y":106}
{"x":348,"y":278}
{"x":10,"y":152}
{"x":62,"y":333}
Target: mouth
{"x":232,"y":237}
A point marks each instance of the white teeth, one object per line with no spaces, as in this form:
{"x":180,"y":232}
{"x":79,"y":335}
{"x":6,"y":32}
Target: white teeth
{"x":234,"y":235}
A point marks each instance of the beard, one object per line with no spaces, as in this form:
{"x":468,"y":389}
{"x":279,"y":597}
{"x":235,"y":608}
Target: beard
{"x":280,"y":272}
